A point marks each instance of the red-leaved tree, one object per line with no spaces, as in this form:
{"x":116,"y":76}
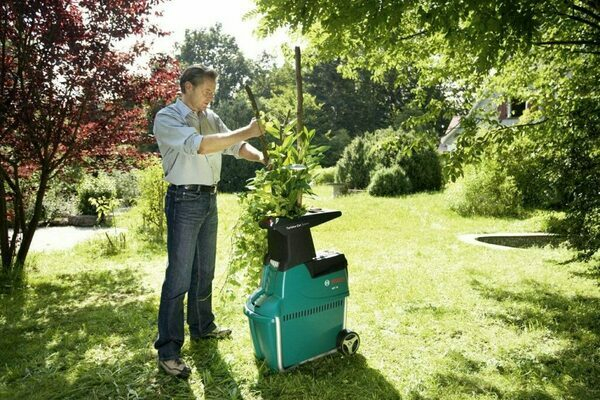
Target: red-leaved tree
{"x":67,"y":94}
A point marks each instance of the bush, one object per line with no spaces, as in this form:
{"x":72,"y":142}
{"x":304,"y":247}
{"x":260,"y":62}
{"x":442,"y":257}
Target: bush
{"x":94,"y":187}
{"x":235,"y":174}
{"x":488,"y":191}
{"x":325,"y":176}
{"x":583,"y":220}
{"x":58,"y":204}
{"x":390,"y":181}
{"x":153,"y":188}
{"x":424,"y":169}
{"x":535,"y":170}
{"x":353,"y":168}
{"x":414,"y":152}
{"x":337,"y":141}
{"x":127,"y":187}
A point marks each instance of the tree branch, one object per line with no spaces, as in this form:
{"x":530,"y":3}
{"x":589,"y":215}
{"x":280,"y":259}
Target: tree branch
{"x":414,"y":35}
{"x":580,"y":19}
{"x":515,"y":126}
{"x":567,"y":42}
{"x":586,"y":12}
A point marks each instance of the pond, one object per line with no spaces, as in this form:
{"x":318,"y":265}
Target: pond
{"x":507,"y":241}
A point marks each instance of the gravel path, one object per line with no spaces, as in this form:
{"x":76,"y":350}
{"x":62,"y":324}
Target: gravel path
{"x":64,"y":237}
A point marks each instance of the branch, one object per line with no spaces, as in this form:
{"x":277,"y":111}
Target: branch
{"x":568,"y":42}
{"x":4,"y":175}
{"x":423,"y":32}
{"x":586,"y":12}
{"x":516,"y":126}
{"x":580,"y":19}
{"x":263,"y":141}
{"x":299,"y":94}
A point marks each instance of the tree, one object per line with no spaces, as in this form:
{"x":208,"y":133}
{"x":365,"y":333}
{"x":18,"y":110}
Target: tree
{"x":66,"y":94}
{"x":357,"y":106}
{"x":213,"y":48}
{"x":543,"y":51}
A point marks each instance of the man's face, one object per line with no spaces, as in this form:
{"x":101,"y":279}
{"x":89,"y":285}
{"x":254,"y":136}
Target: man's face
{"x":199,"y":97}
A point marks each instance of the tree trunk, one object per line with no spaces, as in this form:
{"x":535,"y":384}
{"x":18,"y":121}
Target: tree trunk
{"x":29,"y":229}
{"x":5,"y":249}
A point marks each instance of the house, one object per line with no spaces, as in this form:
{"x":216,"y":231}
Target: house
{"x":508,"y":114}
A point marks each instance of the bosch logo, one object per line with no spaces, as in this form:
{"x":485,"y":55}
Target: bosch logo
{"x":327,"y":283}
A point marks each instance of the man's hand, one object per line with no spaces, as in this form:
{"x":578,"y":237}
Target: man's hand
{"x":256,"y":128}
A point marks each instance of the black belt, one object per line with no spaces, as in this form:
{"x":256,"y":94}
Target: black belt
{"x":197,"y":188}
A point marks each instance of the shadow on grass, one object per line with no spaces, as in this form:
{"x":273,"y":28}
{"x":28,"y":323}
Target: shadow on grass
{"x":592,"y":271}
{"x":82,"y":336}
{"x":568,"y":322}
{"x":329,"y":378}
{"x":214,"y":372}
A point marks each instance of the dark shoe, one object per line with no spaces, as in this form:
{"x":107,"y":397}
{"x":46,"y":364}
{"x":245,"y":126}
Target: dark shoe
{"x":175,"y":367}
{"x":217,"y":333}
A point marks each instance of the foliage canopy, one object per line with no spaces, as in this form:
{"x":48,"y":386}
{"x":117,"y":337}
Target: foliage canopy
{"x":545,"y":53}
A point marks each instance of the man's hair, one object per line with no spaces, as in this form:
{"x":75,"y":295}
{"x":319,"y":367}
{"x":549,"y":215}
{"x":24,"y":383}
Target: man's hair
{"x":196,"y":74}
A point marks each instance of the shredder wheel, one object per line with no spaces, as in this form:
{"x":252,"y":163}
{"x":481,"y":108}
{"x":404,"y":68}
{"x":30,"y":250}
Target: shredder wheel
{"x":348,"y":342}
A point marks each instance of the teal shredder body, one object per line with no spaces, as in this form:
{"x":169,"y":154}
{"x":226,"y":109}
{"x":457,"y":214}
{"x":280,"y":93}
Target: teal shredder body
{"x":298,"y":313}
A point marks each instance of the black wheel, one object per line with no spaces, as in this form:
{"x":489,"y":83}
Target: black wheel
{"x":348,"y":342}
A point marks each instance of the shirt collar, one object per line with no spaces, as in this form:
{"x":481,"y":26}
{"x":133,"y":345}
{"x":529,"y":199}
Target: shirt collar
{"x":184,"y":110}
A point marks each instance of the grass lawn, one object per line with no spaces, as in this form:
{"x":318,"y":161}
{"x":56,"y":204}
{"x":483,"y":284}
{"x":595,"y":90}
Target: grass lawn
{"x":438,"y":318}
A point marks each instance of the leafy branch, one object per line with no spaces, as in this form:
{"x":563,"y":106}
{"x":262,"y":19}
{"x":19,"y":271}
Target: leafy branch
{"x":274,"y":191}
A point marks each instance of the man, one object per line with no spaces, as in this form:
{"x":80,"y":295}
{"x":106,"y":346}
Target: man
{"x":191,"y":139}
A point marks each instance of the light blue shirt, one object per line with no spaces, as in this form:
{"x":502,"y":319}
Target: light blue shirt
{"x":179,"y":131}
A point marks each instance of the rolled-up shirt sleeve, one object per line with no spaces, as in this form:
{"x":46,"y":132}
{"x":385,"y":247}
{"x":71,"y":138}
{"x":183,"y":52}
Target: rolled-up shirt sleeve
{"x":170,"y":132}
{"x":233,"y":150}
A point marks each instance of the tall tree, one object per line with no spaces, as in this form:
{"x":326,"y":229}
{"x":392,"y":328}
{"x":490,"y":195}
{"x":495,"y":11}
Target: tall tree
{"x":213,"y":48}
{"x":547,"y":51}
{"x":66,"y":93}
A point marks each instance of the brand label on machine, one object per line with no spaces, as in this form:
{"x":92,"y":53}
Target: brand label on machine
{"x":334,"y":283}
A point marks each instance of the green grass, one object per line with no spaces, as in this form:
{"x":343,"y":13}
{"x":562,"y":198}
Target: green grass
{"x":438,"y":318}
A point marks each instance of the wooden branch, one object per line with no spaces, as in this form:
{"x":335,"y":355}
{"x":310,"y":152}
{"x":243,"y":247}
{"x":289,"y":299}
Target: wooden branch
{"x":299,"y":112}
{"x":299,"y":96}
{"x":263,"y":141}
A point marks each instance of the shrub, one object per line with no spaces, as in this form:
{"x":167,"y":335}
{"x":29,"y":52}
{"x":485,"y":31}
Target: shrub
{"x":536,"y":172}
{"x":101,"y":186}
{"x":236,"y":173}
{"x":61,"y":197}
{"x":389,"y":181}
{"x":151,"y":201}
{"x":488,"y":191}
{"x":353,"y":168}
{"x":127,"y":187}
{"x":58,"y":204}
{"x":583,"y":220}
{"x":325,"y":176}
{"x":414,"y":152}
{"x":337,"y":141}
{"x":424,"y":169}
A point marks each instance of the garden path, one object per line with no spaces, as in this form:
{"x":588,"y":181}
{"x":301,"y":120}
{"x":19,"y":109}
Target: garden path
{"x":64,"y":237}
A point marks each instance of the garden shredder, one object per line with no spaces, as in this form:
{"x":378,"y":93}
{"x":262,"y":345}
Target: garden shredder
{"x":299,"y":311}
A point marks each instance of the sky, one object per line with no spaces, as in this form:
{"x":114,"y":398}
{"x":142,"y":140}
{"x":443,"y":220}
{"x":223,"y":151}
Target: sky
{"x":179,"y":15}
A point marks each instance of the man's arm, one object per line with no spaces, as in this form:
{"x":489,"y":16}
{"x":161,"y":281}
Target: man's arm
{"x":251,"y":153}
{"x":221,"y":141}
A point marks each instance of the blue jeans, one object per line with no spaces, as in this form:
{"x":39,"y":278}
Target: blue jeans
{"x":191,"y":245}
